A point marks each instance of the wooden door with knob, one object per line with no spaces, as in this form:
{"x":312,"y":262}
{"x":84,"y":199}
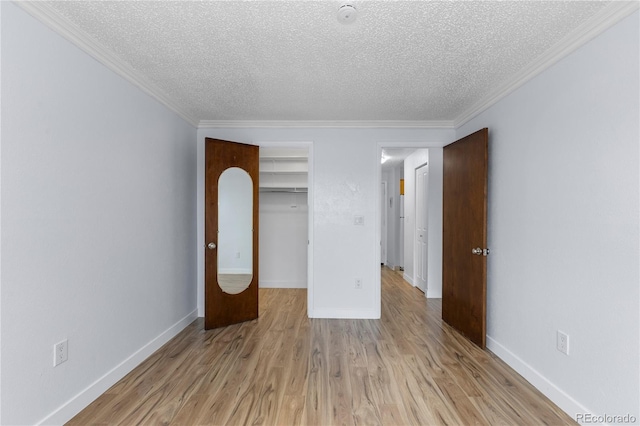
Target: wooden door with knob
{"x":231,"y":232}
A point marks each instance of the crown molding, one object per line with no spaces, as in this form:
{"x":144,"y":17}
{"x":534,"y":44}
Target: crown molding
{"x":67,"y":29}
{"x":610,"y":15}
{"x":414,"y":124}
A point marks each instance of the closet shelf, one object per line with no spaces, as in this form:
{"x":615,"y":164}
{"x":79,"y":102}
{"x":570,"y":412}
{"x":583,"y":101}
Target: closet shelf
{"x":284,"y":171}
{"x":283,"y":189}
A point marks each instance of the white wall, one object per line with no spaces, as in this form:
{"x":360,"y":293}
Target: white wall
{"x":346,"y":173}
{"x":434,"y":224}
{"x":432,"y":156}
{"x":98,"y":210}
{"x":283,"y":240}
{"x":563,"y":225}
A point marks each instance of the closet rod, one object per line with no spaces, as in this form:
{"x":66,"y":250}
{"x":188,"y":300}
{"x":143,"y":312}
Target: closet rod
{"x":289,"y":190}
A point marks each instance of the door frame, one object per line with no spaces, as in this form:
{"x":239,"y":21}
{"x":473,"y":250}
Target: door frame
{"x":425,"y":191}
{"x":384,"y":222}
{"x":200,"y":170}
{"x":391,"y":144}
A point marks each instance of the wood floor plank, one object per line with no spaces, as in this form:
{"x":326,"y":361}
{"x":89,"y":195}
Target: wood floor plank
{"x":408,"y":368}
{"x":429,"y":399}
{"x":267,"y":408}
{"x":390,"y":414}
{"x":317,"y":404}
{"x":297,"y":371}
{"x":191,"y":411}
{"x":234,"y":398}
{"x":365,"y":410}
{"x":340,"y":391}
{"x":384,"y":386}
{"x":292,"y":411}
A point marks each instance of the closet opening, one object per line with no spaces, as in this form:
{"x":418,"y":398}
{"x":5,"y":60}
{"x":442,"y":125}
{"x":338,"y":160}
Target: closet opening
{"x":284,"y":217}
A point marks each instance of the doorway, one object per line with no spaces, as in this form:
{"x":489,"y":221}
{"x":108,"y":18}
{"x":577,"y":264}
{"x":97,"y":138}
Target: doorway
{"x":283,"y":209}
{"x":408,"y":158}
{"x":308,"y":146}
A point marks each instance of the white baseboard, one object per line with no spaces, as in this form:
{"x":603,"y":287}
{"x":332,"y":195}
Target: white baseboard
{"x":76,"y":404}
{"x":343,"y":314}
{"x":282,"y":284}
{"x":408,"y":279}
{"x":544,"y":385}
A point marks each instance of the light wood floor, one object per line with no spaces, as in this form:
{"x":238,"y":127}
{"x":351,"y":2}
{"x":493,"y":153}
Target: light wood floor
{"x":407,"y":368}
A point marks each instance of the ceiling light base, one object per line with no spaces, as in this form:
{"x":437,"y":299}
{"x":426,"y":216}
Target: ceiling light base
{"x":347,"y":14}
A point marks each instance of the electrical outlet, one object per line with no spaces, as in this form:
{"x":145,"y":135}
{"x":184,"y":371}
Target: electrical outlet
{"x":237,"y":255}
{"x":60,"y":352}
{"x":563,"y":342}
{"x":358,"y":284}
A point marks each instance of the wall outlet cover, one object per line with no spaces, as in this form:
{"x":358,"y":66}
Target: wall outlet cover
{"x":562,"y":342}
{"x":60,"y":352}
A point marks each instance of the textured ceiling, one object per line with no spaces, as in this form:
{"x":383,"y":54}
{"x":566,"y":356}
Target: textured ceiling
{"x":284,"y":60}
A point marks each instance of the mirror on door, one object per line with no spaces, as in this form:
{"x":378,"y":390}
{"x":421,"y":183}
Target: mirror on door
{"x":235,"y":230}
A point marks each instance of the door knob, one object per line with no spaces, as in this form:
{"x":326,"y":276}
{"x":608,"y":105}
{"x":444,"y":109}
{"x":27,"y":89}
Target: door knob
{"x":480,"y":252}
{"x":211,"y":246}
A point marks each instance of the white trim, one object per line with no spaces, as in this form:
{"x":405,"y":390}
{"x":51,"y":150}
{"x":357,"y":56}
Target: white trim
{"x":377,"y":256}
{"x":76,"y":404}
{"x":281,"y":284}
{"x":310,"y":229}
{"x":67,"y":29}
{"x":408,"y":279}
{"x":384,"y":215}
{"x":344,"y":314}
{"x":544,"y":385}
{"x":403,"y":124}
{"x":610,"y":15}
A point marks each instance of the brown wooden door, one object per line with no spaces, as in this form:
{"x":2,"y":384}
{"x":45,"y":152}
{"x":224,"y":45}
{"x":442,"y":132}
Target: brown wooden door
{"x":464,"y":271}
{"x":223,"y":308}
